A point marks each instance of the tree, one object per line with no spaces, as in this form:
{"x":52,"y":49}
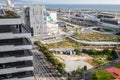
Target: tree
{"x":61,"y":70}
{"x":117,"y":66}
{"x":94,"y":76}
{"x":77,"y":51}
{"x":85,"y":67}
{"x":101,"y":75}
{"x":69,"y":78}
{"x":74,"y":73}
{"x":51,"y":58}
{"x":106,"y":51}
{"x":93,"y":51}
{"x":78,"y":71}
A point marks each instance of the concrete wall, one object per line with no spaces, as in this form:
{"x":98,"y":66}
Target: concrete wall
{"x":11,"y":35}
{"x":27,"y":78}
{"x":15,"y":59}
{"x":13,"y":48}
{"x":13,"y":70}
{"x":10,"y":21}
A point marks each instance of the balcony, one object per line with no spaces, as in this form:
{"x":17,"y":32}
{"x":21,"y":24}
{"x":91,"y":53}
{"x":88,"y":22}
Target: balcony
{"x":13,"y":31}
{"x":10,"y":21}
{"x":19,"y":64}
{"x":16,"y":54}
{"x":14,"y":67}
{"x":15,"y":44}
{"x":28,"y":75}
{"x":15,"y":59}
{"x":15,"y":70}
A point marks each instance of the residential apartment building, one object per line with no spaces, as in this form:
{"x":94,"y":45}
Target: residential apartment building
{"x":15,"y":48}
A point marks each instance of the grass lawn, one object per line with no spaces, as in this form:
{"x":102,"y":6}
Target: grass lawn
{"x":93,"y":36}
{"x":100,"y":57}
{"x":101,"y":75}
{"x":117,"y":66}
{"x":73,"y":28}
{"x":99,"y":60}
{"x":9,"y":14}
{"x":66,"y":43}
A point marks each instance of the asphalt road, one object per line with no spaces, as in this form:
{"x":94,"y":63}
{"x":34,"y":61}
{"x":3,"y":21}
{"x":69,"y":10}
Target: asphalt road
{"x":43,"y":70}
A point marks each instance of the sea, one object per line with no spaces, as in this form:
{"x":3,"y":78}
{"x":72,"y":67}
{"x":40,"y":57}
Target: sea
{"x":99,"y":7}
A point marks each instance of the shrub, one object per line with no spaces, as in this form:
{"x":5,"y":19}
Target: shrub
{"x":101,"y":75}
{"x":117,"y":66}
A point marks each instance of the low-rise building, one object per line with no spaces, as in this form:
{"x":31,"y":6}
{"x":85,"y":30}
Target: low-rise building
{"x":115,"y":72}
{"x":110,"y":23}
{"x":51,"y":23}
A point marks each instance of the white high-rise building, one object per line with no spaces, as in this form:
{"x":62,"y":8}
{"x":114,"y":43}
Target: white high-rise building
{"x":34,"y":17}
{"x":41,"y":22}
{"x":15,"y":48}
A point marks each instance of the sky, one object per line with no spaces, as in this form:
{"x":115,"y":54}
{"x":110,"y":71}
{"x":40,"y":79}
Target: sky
{"x":66,"y":1}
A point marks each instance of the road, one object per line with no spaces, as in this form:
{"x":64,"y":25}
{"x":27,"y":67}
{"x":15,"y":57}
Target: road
{"x":95,"y":42}
{"x":43,"y":70}
{"x":67,"y":22}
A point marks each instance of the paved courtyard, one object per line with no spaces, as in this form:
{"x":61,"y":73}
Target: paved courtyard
{"x":73,"y":62}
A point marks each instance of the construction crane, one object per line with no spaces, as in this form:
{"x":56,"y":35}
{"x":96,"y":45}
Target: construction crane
{"x":9,"y":4}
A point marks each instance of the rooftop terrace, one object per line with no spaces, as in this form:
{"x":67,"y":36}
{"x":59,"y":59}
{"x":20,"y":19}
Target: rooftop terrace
{"x":8,"y":14}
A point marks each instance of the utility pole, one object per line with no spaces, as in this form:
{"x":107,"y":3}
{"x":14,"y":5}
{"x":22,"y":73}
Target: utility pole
{"x":43,"y":2}
{"x":116,"y":17}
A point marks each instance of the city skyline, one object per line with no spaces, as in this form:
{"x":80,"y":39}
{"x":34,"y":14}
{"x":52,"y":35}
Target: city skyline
{"x":65,"y":1}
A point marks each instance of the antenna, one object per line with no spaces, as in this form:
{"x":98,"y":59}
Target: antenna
{"x":116,"y":15}
{"x":43,"y":2}
{"x":9,"y":4}
{"x":69,"y":15}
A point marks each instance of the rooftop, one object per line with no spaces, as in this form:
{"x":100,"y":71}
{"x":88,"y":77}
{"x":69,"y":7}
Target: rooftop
{"x":4,"y":13}
{"x":115,"y":72}
{"x":118,"y":51}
